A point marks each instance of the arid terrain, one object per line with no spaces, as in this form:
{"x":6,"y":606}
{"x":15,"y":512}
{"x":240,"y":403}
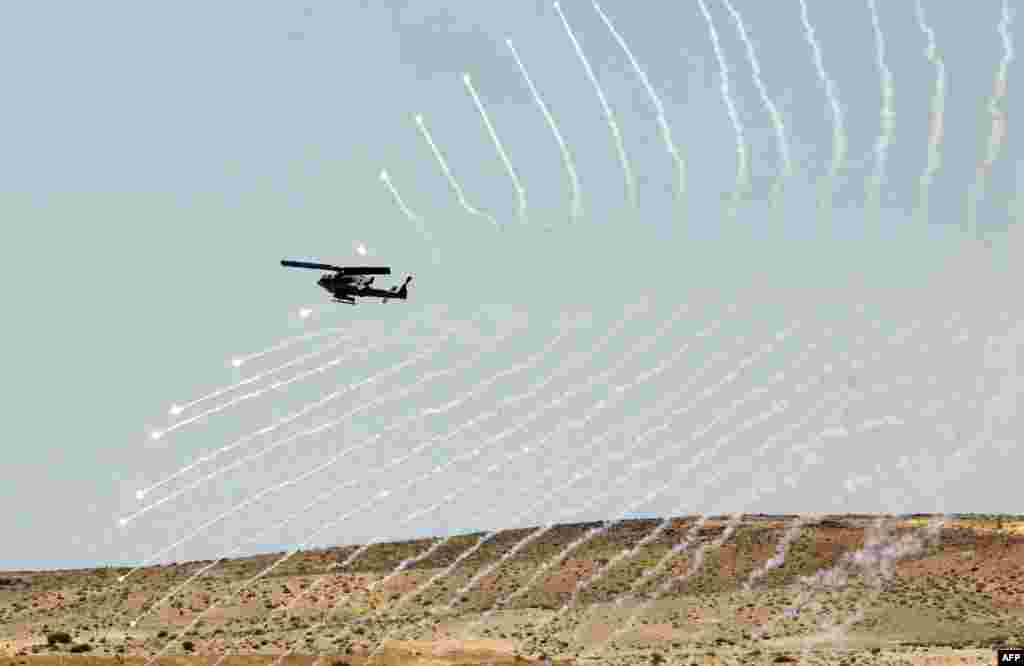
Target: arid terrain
{"x":897,"y":592}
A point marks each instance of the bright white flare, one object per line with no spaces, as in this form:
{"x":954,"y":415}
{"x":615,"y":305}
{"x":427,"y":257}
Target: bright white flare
{"x":178,"y":409}
{"x":411,"y":216}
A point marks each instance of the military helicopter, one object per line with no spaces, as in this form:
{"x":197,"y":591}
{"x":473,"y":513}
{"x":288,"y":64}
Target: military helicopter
{"x":346,"y":283}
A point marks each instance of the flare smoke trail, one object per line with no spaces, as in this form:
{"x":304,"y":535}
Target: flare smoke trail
{"x":249,"y":500}
{"x":178,"y":425}
{"x":283,"y":421}
{"x":592,"y":443}
{"x":575,"y":390}
{"x":535,"y":447}
{"x":539,"y":532}
{"x":998,"y":132}
{"x":742,"y":167}
{"x":620,"y":148}
{"x":682,"y":547}
{"x":785,"y":161}
{"x":935,"y":116}
{"x":618,"y":456}
{"x":323,"y":496}
{"x":237,"y":362}
{"x":532,"y":360}
{"x":412,"y":217}
{"x":397,"y":394}
{"x":888,"y":114}
{"x":781,"y":546}
{"x":875,"y":560}
{"x":666,"y":131}
{"x":666,"y":523}
{"x":839,"y":143}
{"x":734,"y":521}
{"x":881,"y":550}
{"x":631,"y":310}
{"x":576,"y":202}
{"x":823,"y":577}
{"x":595,"y":532}
{"x":520,"y":191}
{"x":421,"y":124}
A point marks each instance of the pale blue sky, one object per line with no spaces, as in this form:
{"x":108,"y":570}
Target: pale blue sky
{"x":158,"y":161}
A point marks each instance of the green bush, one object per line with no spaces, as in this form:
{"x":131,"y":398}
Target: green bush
{"x":81,"y":647}
{"x":58,"y":637}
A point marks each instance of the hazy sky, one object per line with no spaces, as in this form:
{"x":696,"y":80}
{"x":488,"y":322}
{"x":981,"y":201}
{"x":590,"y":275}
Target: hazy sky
{"x":159,"y":160}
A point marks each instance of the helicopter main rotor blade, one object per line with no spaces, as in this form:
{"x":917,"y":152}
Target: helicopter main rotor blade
{"x":343,"y":270}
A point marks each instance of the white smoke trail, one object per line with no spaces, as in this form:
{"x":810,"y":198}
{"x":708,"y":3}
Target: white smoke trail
{"x":178,"y":425}
{"x":140,"y":494}
{"x":417,"y":220}
{"x":620,"y":148}
{"x":768,"y":445}
{"x":520,"y":190}
{"x":179,"y":407}
{"x":596,"y":532}
{"x":742,"y":168}
{"x":666,"y":131}
{"x":533,"y":449}
{"x":876,"y":560}
{"x":666,"y":523}
{"x":839,"y":142}
{"x":506,"y":433}
{"x":881,"y":550}
{"x":397,"y":394}
{"x":792,"y":480}
{"x":998,"y":132}
{"x":576,"y":202}
{"x":583,"y":453}
{"x":936,"y":116}
{"x":679,"y":549}
{"x":809,"y":458}
{"x":779,"y":558}
{"x":421,"y":124}
{"x":578,"y":477}
{"x":394,"y":462}
{"x":238,"y":361}
{"x":252,"y":498}
{"x":785,"y":160}
{"x":536,"y":534}
{"x":592,"y":444}
{"x":531,"y":360}
{"x":348,"y":484}
{"x":603,"y":341}
{"x":888,"y":114}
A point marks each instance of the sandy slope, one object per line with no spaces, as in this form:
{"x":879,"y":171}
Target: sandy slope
{"x":949,"y":602}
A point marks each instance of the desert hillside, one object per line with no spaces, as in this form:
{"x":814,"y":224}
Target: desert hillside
{"x":762,"y":589}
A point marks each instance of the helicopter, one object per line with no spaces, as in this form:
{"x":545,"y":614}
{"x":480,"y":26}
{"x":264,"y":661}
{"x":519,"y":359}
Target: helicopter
{"x":346,"y":283}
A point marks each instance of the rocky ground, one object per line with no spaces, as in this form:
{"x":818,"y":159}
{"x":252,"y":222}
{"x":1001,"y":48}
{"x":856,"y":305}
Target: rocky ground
{"x":890,"y":596}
